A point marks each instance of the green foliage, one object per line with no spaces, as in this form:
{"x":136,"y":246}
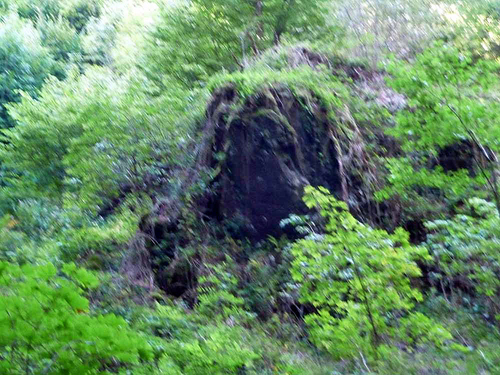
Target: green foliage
{"x":38,"y":231}
{"x":24,"y":63}
{"x":465,"y":252}
{"x":476,"y":29}
{"x":479,"y":353}
{"x":221,"y":353}
{"x":266,"y":288}
{"x":100,"y":153}
{"x":46,"y":326}
{"x":449,"y":93}
{"x":10,"y":240}
{"x":33,"y":10}
{"x":200,"y":38}
{"x":20,"y":244}
{"x":358,"y":279}
{"x":428,"y":190}
{"x":80,"y":12}
{"x":195,"y":347}
{"x":451,"y":102}
{"x":91,"y":134}
{"x":136,"y":19}
{"x":216,"y":295}
{"x":303,"y":81}
{"x":62,"y":40}
{"x":76,"y":12}
{"x":405,"y":27}
{"x":98,"y":41}
{"x":107,"y":239}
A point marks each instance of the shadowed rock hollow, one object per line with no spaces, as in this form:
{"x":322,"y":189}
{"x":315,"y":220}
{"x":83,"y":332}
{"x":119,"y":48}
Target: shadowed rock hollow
{"x":264,"y":159}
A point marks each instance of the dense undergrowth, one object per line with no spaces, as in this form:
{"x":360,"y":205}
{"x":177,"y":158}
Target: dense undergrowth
{"x":118,"y":252}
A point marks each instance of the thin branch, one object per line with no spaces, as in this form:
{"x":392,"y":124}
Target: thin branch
{"x":492,"y":183}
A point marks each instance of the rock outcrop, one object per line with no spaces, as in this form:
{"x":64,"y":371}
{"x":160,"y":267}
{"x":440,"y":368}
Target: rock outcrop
{"x":265,"y":157}
{"x":266,"y":167}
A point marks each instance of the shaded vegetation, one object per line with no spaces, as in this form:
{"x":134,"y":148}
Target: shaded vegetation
{"x":249,"y":187}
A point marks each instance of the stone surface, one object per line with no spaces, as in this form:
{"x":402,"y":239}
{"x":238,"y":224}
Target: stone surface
{"x":267,"y":165}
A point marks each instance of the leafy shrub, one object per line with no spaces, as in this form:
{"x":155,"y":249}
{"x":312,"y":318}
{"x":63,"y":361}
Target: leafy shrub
{"x":10,"y":239}
{"x":62,"y":41}
{"x":76,"y":12}
{"x":96,"y":137}
{"x":33,"y":10}
{"x":195,"y":40}
{"x":358,"y":279}
{"x":24,"y":63}
{"x":215,"y":349}
{"x":466,"y":256}
{"x":195,"y":345}
{"x":46,"y":326}
{"x":451,"y":102}
{"x":217,"y":295}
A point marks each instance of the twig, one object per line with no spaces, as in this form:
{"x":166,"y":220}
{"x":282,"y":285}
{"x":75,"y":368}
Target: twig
{"x":364,"y":362}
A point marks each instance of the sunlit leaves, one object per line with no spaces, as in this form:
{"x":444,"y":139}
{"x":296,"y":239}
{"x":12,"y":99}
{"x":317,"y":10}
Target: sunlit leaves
{"x":92,"y":136}
{"x":46,"y":326}
{"x":452,"y":101}
{"x":357,"y":278}
{"x":198,"y":39}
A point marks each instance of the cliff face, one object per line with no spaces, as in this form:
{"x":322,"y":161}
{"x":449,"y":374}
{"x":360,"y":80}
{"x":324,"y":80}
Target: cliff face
{"x":266,"y":148}
{"x":267,"y":164}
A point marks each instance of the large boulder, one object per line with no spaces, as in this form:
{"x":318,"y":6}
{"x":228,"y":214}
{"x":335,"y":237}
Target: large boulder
{"x":264,"y":158}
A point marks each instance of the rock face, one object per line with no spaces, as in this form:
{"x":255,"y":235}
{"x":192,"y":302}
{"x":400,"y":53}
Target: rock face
{"x":269,"y":155}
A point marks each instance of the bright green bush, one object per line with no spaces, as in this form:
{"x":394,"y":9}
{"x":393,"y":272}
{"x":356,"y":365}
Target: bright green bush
{"x":46,"y":327}
{"x":215,"y":349}
{"x":95,"y":136}
{"x":33,"y":10}
{"x":358,"y":279}
{"x":89,"y":172}
{"x":62,"y":40}
{"x":76,"y":12}
{"x":217,"y":294}
{"x":10,"y":240}
{"x":196,"y":345}
{"x":477,"y":29}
